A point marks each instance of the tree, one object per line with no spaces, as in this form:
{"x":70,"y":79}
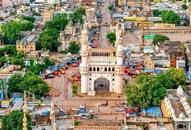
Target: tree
{"x":110,"y":7}
{"x":27,"y":25}
{"x":77,"y":16}
{"x":28,"y":18}
{"x":59,"y":22}
{"x":111,"y":37}
{"x":29,"y":82}
{"x":49,"y":40}
{"x":34,"y":85}
{"x":148,"y":90}
{"x":170,"y":17}
{"x":12,"y":31}
{"x":73,"y":48}
{"x":156,"y":13}
{"x":184,"y":7}
{"x":37,"y":68}
{"x":14,"y":121}
{"x":172,"y":78}
{"x":14,"y":82}
{"x":158,"y":38}
{"x":9,"y":50}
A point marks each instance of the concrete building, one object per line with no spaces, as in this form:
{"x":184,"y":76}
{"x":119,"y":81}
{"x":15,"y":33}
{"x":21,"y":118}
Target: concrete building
{"x":101,"y":68}
{"x":27,"y":44}
{"x":47,"y":14}
{"x":176,"y":106}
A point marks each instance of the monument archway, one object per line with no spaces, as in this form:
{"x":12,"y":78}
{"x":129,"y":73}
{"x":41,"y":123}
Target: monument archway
{"x":101,"y":84}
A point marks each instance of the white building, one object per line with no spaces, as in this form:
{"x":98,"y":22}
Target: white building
{"x":101,"y":68}
{"x":176,"y":103}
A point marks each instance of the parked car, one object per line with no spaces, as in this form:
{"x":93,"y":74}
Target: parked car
{"x":49,"y":76}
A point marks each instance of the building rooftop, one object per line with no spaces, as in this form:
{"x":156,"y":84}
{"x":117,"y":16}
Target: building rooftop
{"x":178,"y":104}
{"x":31,"y":38}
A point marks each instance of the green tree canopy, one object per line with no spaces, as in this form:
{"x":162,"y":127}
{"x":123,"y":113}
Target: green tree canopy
{"x":77,"y":16}
{"x":37,"y":68}
{"x":27,"y":25}
{"x":49,"y":40}
{"x":158,"y":38}
{"x":14,"y":121}
{"x":74,"y":47}
{"x":156,"y":12}
{"x":13,"y":83}
{"x":34,"y":85}
{"x":28,"y":18}
{"x":12,"y":31}
{"x":29,"y":82}
{"x":148,"y":90}
{"x":170,"y":17}
{"x":59,"y":22}
{"x":111,"y":37}
{"x":184,"y":7}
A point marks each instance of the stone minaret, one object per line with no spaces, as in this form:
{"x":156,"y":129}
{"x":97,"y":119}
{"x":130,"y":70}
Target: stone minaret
{"x":119,"y":65}
{"x":24,"y":116}
{"x":52,"y":117}
{"x":84,"y":63}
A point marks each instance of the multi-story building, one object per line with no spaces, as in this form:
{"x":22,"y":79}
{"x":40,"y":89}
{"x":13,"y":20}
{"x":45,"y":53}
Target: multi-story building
{"x":121,"y":2}
{"x":27,"y":44}
{"x":47,"y":14}
{"x":101,"y":68}
{"x":177,"y":107}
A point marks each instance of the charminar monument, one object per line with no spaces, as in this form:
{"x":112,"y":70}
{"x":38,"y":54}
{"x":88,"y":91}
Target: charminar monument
{"x":101,"y":68}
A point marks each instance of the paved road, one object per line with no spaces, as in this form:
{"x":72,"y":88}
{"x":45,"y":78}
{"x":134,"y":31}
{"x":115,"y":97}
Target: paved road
{"x":106,"y":18}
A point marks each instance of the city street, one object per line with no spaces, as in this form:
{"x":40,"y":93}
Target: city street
{"x":106,"y":20}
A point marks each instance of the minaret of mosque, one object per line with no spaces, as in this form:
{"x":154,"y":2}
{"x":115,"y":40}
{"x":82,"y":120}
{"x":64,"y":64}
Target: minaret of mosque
{"x":24,"y":116}
{"x":119,"y":70}
{"x":84,"y":67}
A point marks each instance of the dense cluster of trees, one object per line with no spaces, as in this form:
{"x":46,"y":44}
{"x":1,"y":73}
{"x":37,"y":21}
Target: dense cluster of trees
{"x":111,"y":37}
{"x":148,"y":90}
{"x":14,"y":121}
{"x":170,"y":17}
{"x":49,"y":38}
{"x":77,"y":16}
{"x":29,"y":82}
{"x":167,"y":16}
{"x":59,"y":22}
{"x":159,"y":38}
{"x":38,"y":68}
{"x":11,"y":31}
{"x":74,"y":47}
{"x":9,"y":54}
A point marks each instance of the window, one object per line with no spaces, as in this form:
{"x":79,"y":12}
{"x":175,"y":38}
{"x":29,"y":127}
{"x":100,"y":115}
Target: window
{"x":109,"y":69}
{"x":90,"y":69}
{"x":105,"y":69}
{"x":113,"y":69}
{"x":94,"y":69}
{"x":97,"y":68}
{"x":90,"y":79}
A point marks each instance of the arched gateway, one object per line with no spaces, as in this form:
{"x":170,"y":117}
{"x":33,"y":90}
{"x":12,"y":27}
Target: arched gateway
{"x":101,"y":84}
{"x":101,"y":68}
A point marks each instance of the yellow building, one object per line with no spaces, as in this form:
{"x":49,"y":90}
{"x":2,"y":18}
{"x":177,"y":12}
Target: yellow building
{"x":149,"y":64}
{"x":121,"y":2}
{"x":47,"y":14}
{"x":27,"y":44}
